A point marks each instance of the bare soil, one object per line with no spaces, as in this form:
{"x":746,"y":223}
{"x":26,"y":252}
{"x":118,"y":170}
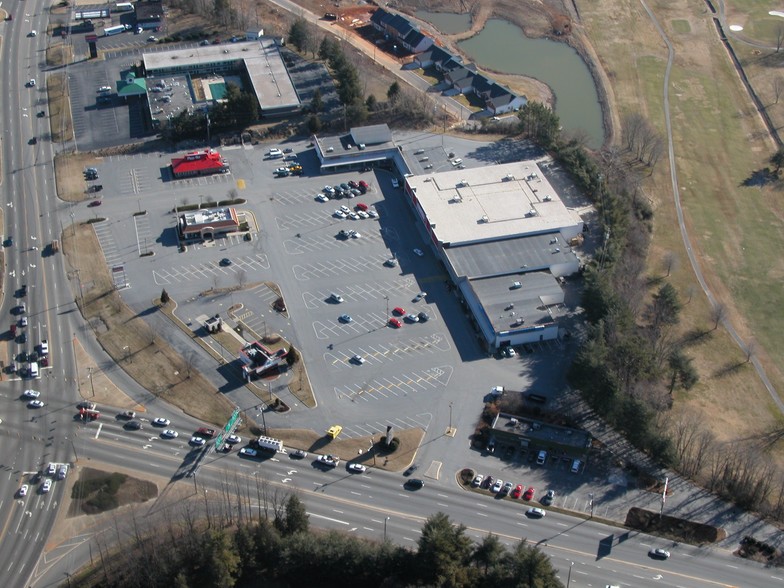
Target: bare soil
{"x":131,"y":491}
{"x":673,"y":528}
{"x":68,"y":169}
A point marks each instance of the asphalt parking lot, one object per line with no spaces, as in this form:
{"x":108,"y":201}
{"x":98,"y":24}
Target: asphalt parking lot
{"x":410,"y":375}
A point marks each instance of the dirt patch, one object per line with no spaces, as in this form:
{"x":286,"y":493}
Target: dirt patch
{"x":69,"y":174}
{"x":95,"y":385}
{"x":97,"y":491}
{"x":356,"y":450}
{"x":60,"y":121}
{"x":673,"y":528}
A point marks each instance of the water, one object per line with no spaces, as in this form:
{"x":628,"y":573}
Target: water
{"x":446,"y":22}
{"x":502,"y":46}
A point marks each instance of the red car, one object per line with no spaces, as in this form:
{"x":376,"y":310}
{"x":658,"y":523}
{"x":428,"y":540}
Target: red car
{"x":393,"y":322}
{"x":517,"y":491}
{"x":398,"y":311}
{"x":361,"y":206}
{"x":353,"y":184}
{"x":529,"y":494}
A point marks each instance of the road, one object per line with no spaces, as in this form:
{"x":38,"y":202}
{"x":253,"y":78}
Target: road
{"x":361,"y":503}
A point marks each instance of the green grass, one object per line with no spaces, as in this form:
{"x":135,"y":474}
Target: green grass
{"x":681,"y":26}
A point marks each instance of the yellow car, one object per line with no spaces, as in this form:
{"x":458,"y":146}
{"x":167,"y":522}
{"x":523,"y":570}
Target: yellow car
{"x":334,"y":431}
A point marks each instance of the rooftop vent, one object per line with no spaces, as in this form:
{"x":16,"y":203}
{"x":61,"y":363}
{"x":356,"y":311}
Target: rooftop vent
{"x":531,"y":212}
{"x":547,"y":198}
{"x":508,"y":178}
{"x":485,"y":219}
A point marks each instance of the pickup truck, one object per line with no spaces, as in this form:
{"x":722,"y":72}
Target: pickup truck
{"x":44,"y":347}
{"x":205,"y":432}
{"x":330,"y":461}
{"x":128,"y":414}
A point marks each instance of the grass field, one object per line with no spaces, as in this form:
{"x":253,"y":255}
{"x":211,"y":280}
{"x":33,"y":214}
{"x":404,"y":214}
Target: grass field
{"x":719,"y":141}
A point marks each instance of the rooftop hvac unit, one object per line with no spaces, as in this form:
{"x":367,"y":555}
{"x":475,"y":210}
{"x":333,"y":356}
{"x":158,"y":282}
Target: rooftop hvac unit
{"x":485,"y":219}
{"x":508,"y":178}
{"x":547,"y":198}
{"x":531,"y":212}
{"x":463,"y":182}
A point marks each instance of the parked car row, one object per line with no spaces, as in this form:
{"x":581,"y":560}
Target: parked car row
{"x":516,"y":492}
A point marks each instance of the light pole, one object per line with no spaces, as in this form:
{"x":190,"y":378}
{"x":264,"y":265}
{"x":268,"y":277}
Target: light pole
{"x":374,"y":453}
{"x":569,"y":577}
{"x":591,"y":503}
{"x":387,"y":299}
{"x":450,"y":431}
{"x":386,"y":520}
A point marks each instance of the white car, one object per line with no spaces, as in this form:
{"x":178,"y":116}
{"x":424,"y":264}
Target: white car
{"x":23,"y":490}
{"x":197,"y":441}
{"x":161,"y":422}
{"x":363,"y":214}
{"x":477,"y":481}
{"x":170,"y":434}
{"x":358,"y":359}
{"x":33,"y":33}
{"x":353,"y":216}
{"x":31,"y":82}
{"x":372,"y":213}
{"x":356,"y":468}
{"x":47,"y":485}
{"x":497,"y":486}
{"x":355,"y":235}
{"x":339,"y":214}
{"x":328,"y":190}
{"x":233,"y":439}
{"x":31,"y":394}
{"x":322,"y":198}
{"x":418,"y":252}
{"x":536,"y":512}
{"x":36,"y":404}
{"x":345,"y":209}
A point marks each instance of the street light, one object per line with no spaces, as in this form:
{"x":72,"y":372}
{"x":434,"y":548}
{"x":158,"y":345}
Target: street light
{"x":386,"y":520}
{"x":569,"y":577}
{"x":374,"y":453}
{"x":450,"y":419}
{"x":591,"y":503}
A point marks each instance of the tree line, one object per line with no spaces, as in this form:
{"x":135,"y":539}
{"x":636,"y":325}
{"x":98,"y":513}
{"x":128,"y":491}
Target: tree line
{"x":237,"y":545}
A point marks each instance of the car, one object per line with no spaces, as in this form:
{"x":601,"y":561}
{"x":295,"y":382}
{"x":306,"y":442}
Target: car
{"x":353,"y":216}
{"x":169,"y":434}
{"x":395,"y":183}
{"x":418,"y":252}
{"x":355,"y":234}
{"x":518,"y":490}
{"x":345,"y":209}
{"x":233,"y":439}
{"x":86,"y":404}
{"x":541,"y":458}
{"x":391,"y":262}
{"x":205,"y":433}
{"x":399,"y":311}
{"x":477,"y":481}
{"x":353,"y":184}
{"x":282,"y":172}
{"x":356,"y":468}
{"x":36,"y":477}
{"x":328,"y":190}
{"x":659,"y":553}
{"x":420,"y":296}
{"x":340,"y":214}
{"x":249,"y":452}
{"x":40,"y":113}
{"x":362,"y":184}
{"x":36,"y":404}
{"x":204,"y":42}
{"x":354,"y":192}
{"x":497,"y":486}
{"x":288,"y":150}
{"x":330,"y":461}
{"x":412,"y":318}
{"x":22,"y":338}
{"x":411,"y":469}
{"x":334,"y":431}
{"x":225,"y":262}
{"x":22,"y":490}
{"x":322,"y":197}
{"x":31,"y":394}
{"x":344,"y":234}
{"x":423,"y":317}
{"x":95,"y":202}
{"x":274,"y":152}
{"x":51,"y":469}
{"x":23,"y":321}
{"x":506,"y":489}
{"x":393,"y":322}
{"x":529,"y":494}
{"x":161,"y":422}
{"x":535,"y":512}
{"x":46,"y":486}
{"x":34,"y":141}
{"x":516,"y":285}
{"x":62,"y":472}
{"x":299,"y":454}
{"x":345,"y":187}
{"x":414,"y":484}
{"x":488,"y":483}
{"x":357,"y":359}
{"x":31,"y":82}
{"x":127,"y":414}
{"x":372,"y":213}
{"x":334,"y":297}
{"x":548,"y":498}
{"x":133,"y":425}
{"x":152,"y":39}
{"x":197,"y":441}
{"x":362,"y":214}
{"x":576,"y":465}
{"x":509,"y":352}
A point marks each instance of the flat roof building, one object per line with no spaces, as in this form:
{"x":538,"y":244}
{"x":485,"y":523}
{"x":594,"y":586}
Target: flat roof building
{"x":208,"y":222}
{"x":259,"y":61}
{"x":361,"y":147}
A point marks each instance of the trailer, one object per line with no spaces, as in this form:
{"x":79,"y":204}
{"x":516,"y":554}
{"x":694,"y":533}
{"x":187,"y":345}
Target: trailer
{"x":123,"y":7}
{"x":268,"y":443}
{"x":109,"y":31}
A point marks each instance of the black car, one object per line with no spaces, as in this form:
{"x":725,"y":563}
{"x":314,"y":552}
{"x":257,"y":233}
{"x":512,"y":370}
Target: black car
{"x":22,"y":338}
{"x":423,"y":317}
{"x":414,"y":484}
{"x":133,"y":425}
{"x":411,"y":469}
{"x":225,"y":262}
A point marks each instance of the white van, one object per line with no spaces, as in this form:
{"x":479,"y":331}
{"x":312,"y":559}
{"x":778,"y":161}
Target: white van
{"x":275,"y":153}
{"x":541,"y":458}
{"x":33,"y":371}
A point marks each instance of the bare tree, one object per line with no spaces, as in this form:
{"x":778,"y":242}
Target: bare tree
{"x":778,"y":87}
{"x":670,"y":262}
{"x":632,"y":125}
{"x":718,"y":314}
{"x":690,"y":292}
{"x":779,"y":38}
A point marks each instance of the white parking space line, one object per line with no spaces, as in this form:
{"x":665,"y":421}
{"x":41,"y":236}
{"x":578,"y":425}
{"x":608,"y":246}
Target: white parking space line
{"x":403,"y":385}
{"x":208,"y":270}
{"x":338,"y":267}
{"x":303,"y":221}
{"x":316,"y":243}
{"x":372,"y":354}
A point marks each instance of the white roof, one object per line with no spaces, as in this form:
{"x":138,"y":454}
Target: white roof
{"x":489,"y":203}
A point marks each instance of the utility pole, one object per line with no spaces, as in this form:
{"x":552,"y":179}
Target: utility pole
{"x":386,"y":520}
